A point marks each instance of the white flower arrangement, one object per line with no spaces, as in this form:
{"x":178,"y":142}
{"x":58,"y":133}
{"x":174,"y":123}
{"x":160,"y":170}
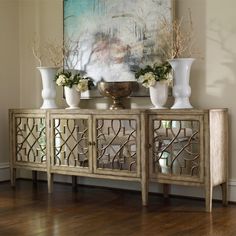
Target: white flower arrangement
{"x":149,"y":75}
{"x":82,"y":83}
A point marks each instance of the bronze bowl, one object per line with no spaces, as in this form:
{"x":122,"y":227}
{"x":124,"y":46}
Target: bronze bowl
{"x":116,"y":91}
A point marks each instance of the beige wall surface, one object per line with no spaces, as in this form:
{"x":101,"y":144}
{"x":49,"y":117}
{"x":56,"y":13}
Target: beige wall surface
{"x":220,"y":84}
{"x":9,"y":69}
{"x":213,"y":78}
{"x":40,"y":21}
{"x":213,"y":75}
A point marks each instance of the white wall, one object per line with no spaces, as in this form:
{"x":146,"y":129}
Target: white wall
{"x":213,"y":75}
{"x":9,"y":74}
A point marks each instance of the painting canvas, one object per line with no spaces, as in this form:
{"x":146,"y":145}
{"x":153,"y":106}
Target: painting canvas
{"x":113,"y":37}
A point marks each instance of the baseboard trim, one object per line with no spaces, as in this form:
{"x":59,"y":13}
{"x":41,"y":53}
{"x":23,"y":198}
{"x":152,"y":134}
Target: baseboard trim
{"x":232,"y":190}
{"x":232,"y":182}
{"x":4,"y":171}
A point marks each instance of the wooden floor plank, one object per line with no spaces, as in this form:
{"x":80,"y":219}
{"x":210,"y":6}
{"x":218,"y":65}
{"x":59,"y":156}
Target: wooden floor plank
{"x":30,"y":210}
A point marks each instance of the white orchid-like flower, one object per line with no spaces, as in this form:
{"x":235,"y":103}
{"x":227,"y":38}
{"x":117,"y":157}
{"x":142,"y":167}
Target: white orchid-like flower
{"x":82,"y":86}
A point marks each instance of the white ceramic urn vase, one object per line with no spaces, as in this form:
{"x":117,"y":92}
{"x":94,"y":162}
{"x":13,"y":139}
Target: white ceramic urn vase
{"x":159,"y":94}
{"x":49,"y":87}
{"x":72,"y":97}
{"x":181,"y":89}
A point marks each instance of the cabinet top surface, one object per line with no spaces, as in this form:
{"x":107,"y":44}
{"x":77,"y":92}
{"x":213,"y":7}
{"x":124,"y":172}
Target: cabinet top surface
{"x":119,"y":112}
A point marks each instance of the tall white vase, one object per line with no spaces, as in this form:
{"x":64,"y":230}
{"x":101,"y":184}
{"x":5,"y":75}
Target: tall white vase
{"x":159,"y":94}
{"x":72,"y":97}
{"x":181,"y":88}
{"x":49,"y":86}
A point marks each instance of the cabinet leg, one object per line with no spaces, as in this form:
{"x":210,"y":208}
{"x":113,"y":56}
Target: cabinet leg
{"x":166,"y":190}
{"x":13,"y":176}
{"x":50,"y":183}
{"x":224,"y":188}
{"x":34,"y":177}
{"x":74,"y":183}
{"x":144,"y":193}
{"x":144,"y":185}
{"x":208,"y":198}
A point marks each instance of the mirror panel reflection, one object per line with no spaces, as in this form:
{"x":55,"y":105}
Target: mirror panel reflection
{"x":176,"y":147}
{"x":70,"y":142}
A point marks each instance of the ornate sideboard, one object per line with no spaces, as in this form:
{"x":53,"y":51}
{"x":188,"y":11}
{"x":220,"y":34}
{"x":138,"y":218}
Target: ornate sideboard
{"x":184,"y":147}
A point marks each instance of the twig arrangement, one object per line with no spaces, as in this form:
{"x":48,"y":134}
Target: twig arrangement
{"x":48,"y":53}
{"x":175,"y":40}
{"x":71,"y":53}
{"x":53,"y":53}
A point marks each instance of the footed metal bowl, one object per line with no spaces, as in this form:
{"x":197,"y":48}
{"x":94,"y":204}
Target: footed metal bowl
{"x":116,"y":91}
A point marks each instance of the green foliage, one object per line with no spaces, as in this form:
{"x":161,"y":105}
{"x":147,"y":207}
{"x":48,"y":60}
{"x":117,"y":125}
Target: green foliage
{"x":161,"y":71}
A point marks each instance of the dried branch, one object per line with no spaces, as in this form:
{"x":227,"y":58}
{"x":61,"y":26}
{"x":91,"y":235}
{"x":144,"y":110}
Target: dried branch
{"x":49,"y":52}
{"x":53,"y":53}
{"x":174,"y":40}
{"x":36,"y":51}
{"x":56,"y":54}
{"x":71,"y":52}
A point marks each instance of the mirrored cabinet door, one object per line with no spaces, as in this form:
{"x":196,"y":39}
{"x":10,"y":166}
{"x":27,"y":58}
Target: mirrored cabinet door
{"x":176,"y":148}
{"x":29,"y":137}
{"x":117,"y":145}
{"x":71,"y":142}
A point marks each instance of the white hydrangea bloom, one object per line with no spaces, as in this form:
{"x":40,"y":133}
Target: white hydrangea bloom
{"x":61,"y":80}
{"x":82,"y":86}
{"x":149,"y":80}
{"x":145,"y":84}
{"x":141,"y":79}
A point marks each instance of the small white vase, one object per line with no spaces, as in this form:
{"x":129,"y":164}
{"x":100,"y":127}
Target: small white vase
{"x":181,"y":88}
{"x":49,"y":87}
{"x":159,"y":94}
{"x":72,"y":97}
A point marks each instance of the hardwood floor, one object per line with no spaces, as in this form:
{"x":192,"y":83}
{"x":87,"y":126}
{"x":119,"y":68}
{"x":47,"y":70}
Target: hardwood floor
{"x":30,"y":210}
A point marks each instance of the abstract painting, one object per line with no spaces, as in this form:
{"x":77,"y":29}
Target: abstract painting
{"x":113,"y":37}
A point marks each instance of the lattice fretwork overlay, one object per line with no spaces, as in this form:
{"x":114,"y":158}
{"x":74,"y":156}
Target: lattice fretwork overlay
{"x":70,"y":142}
{"x":116,"y":142}
{"x":30,"y":139}
{"x":176,"y":147}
